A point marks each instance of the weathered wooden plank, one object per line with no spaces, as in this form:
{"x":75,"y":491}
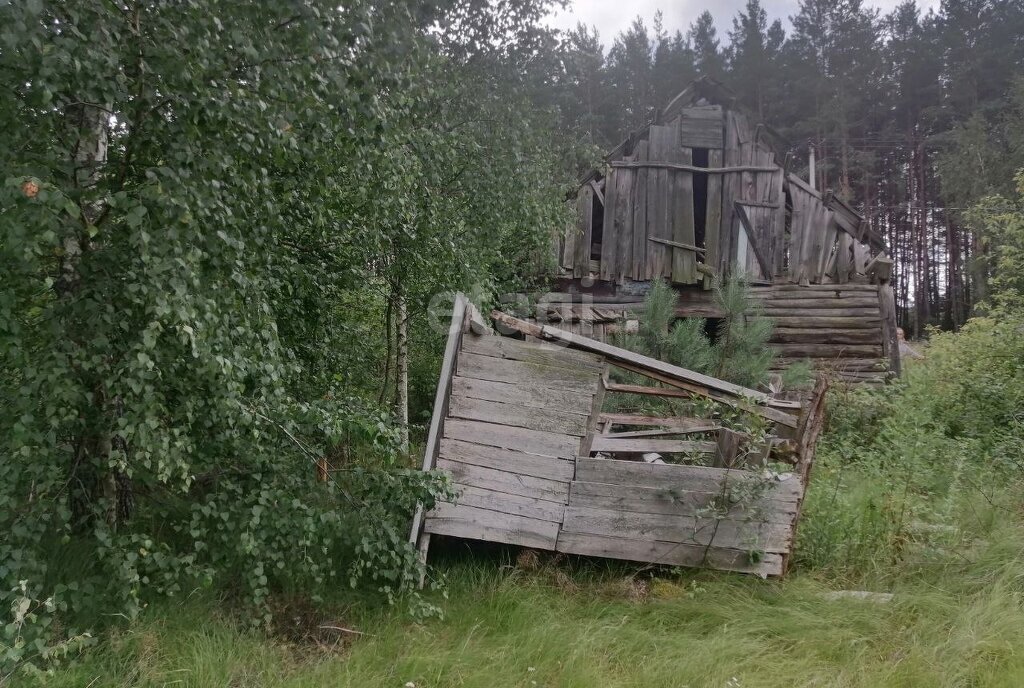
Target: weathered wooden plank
{"x":829,"y":350}
{"x":658,"y":202}
{"x":624,"y":180}
{"x":525,"y":395}
{"x":509,"y":460}
{"x":508,"y":437}
{"x":585,"y":220}
{"x":752,"y":536}
{"x":605,"y":443}
{"x":525,"y":373}
{"x":811,"y":288}
{"x":692,"y":478}
{"x":852,"y":364}
{"x":701,"y":127}
{"x":826,"y":336}
{"x":684,"y":270}
{"x":754,"y":241}
{"x":891,"y":344}
{"x":620,"y":355}
{"x":506,"y":481}
{"x":502,"y":502}
{"x":514,"y":415}
{"x":434,"y":432}
{"x":820,"y":302}
{"x":848,"y":314}
{"x":648,"y":391}
{"x":713,"y":223}
{"x":676,"y":424}
{"x":609,"y":238}
{"x":867,"y":322}
{"x":482,"y":524}
{"x":543,"y":353}
{"x":774,"y":414}
{"x":670,"y":553}
{"x":592,"y":423}
{"x":677,"y":502}
{"x":638,"y":270}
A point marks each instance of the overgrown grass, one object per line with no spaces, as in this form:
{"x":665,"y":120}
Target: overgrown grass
{"x":954,"y":622}
{"x":917,"y":492}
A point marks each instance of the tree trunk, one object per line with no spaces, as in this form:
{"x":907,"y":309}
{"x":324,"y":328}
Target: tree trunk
{"x":402,"y":360}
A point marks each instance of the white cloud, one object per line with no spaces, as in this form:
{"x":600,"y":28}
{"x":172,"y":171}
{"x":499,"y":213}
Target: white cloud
{"x":613,"y":16}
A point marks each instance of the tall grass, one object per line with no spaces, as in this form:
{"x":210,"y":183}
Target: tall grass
{"x":915,"y":493}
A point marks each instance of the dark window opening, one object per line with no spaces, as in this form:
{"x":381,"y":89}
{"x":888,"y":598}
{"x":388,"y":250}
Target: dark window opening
{"x":700,"y":196}
{"x":711,"y":328}
{"x":596,"y":229}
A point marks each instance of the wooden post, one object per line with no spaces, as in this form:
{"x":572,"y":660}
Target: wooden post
{"x":441,"y":397}
{"x":890,"y":338}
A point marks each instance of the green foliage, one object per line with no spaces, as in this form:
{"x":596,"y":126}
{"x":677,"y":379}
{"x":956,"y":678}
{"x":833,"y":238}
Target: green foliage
{"x":205,"y":208}
{"x":930,"y":449}
{"x":737,"y":353}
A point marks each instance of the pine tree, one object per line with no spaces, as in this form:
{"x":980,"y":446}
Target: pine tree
{"x":754,"y":55}
{"x":703,"y":39}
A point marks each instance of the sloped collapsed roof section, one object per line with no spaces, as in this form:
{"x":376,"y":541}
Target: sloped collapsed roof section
{"x":520,"y":426}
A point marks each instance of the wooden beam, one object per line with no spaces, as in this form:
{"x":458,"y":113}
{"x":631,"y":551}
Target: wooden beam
{"x":636,"y":445}
{"x":441,"y":397}
{"x":741,"y":212}
{"x":683,"y":167}
{"x":619,"y":355}
{"x":676,"y":244}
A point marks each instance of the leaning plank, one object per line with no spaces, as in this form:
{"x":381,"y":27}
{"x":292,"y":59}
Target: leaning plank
{"x":441,"y":396}
{"x":774,"y":414}
{"x":481,"y":524}
{"x":669,"y":553}
{"x":507,"y":460}
{"x":506,"y":503}
{"x":647,"y":391}
{"x":521,"y":372}
{"x":675,"y":244}
{"x":655,"y":500}
{"x":749,"y":535}
{"x":752,"y":240}
{"x":505,"y":481}
{"x":542,"y":353}
{"x":530,"y":418}
{"x":508,"y":437}
{"x":510,"y":393}
{"x":604,"y":443}
{"x":676,"y":424}
{"x":672,"y":476}
{"x":619,"y":355}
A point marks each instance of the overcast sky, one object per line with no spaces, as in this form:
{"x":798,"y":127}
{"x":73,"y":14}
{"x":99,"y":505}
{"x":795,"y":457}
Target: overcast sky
{"x":612,"y":16}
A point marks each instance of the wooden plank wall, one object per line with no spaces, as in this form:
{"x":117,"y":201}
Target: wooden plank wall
{"x":841,"y":328}
{"x":659,"y":513}
{"x":647,"y":195}
{"x":515,"y":421}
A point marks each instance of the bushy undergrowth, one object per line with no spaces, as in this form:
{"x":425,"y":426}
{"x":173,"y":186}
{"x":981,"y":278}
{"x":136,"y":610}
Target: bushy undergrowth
{"x":921,"y":464}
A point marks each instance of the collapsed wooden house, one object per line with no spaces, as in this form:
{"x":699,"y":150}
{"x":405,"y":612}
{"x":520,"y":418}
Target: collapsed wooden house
{"x":701,"y":193}
{"x":520,"y":425}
